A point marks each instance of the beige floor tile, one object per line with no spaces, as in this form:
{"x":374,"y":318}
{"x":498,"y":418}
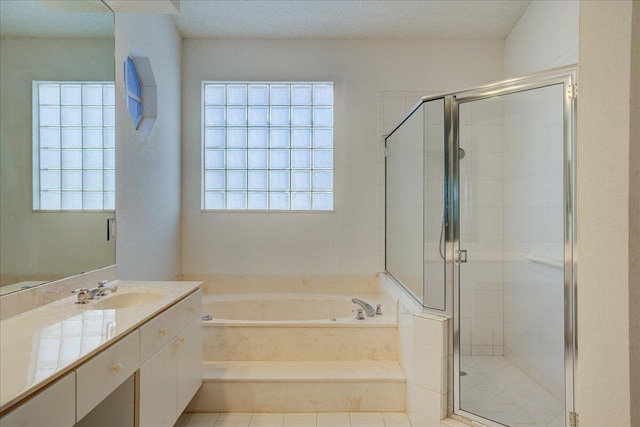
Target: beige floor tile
{"x":396,"y":419}
{"x":300,"y":420}
{"x":366,"y":419}
{"x":198,"y":419}
{"x":233,"y":419}
{"x":266,"y":420}
{"x":333,"y":419}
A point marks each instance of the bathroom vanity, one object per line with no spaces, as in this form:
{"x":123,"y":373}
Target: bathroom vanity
{"x":133,"y":357}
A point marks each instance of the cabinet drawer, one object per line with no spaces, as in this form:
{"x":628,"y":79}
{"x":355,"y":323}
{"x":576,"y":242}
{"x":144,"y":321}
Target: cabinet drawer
{"x":156,"y":333}
{"x":98,"y":377}
{"x":54,"y":406}
{"x":189,"y":308}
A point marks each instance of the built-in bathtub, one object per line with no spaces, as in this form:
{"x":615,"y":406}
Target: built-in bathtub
{"x":296,"y":318}
{"x":293,"y":344}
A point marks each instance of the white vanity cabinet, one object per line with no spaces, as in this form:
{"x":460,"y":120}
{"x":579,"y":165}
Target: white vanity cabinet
{"x":53,"y":406}
{"x":154,"y":368}
{"x":172,"y":376}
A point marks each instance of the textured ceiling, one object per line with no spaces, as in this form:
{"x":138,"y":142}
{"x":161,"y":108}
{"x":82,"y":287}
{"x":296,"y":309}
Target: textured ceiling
{"x":349,"y":19}
{"x":55,"y":18}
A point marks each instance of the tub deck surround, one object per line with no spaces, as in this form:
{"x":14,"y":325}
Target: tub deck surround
{"x":293,"y":344}
{"x":41,"y":345}
{"x":305,"y":309}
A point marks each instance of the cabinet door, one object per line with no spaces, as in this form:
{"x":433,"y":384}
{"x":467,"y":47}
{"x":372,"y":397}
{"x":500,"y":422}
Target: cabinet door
{"x":158,"y":395}
{"x":189,"y":363}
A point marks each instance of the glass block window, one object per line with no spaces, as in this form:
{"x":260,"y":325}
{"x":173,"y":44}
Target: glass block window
{"x":267,"y":146}
{"x":73,"y":146}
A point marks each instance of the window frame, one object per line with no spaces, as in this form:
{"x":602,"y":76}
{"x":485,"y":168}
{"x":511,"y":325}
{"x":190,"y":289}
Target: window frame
{"x":268,"y":126}
{"x":36,"y":147}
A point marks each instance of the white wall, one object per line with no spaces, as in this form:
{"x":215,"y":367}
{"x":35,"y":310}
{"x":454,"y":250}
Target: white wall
{"x":604,"y":284}
{"x":346,"y":241}
{"x":37,"y":245}
{"x":148,"y":166}
{"x":546,"y":36}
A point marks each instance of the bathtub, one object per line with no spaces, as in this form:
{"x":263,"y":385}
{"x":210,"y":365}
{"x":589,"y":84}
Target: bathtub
{"x":292,"y":308}
{"x":297,"y":326}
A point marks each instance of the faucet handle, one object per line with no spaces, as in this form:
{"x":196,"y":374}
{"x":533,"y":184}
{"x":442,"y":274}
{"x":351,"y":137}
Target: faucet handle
{"x":379,"y":309}
{"x":83,"y":295}
{"x":359,"y":314}
{"x":101,"y":283}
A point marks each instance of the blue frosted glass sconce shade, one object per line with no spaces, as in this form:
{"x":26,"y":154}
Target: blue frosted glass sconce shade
{"x":133,"y":91}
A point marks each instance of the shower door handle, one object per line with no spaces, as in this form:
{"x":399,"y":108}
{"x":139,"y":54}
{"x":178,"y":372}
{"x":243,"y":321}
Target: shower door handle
{"x":461,"y":256}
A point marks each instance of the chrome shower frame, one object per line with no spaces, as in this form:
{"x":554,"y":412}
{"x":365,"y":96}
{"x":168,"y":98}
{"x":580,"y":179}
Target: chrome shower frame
{"x":567,"y":76}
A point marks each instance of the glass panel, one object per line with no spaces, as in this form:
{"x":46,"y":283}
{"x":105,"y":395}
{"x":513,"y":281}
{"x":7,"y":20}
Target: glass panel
{"x":70,"y":116}
{"x":214,"y":180}
{"x":236,"y":138}
{"x":258,"y":137}
{"x":50,"y":137}
{"x":258,"y":94}
{"x":214,"y":116}
{"x":512,"y":288}
{"x":237,"y":94}
{"x":236,"y":116}
{"x":300,"y":201}
{"x":434,"y":220}
{"x":49,"y":94}
{"x":404,"y":204}
{"x":213,"y":200}
{"x":301,"y":95}
{"x":214,"y":95}
{"x":322,"y":201}
{"x":214,"y":137}
{"x":323,"y":94}
{"x":279,"y":201}
{"x":301,"y":138}
{"x":279,"y":95}
{"x":258,"y":200}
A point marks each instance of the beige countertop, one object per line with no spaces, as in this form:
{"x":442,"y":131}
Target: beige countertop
{"x":41,"y":345}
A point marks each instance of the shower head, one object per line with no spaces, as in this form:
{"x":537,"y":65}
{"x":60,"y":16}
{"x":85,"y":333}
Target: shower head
{"x":461,"y":153}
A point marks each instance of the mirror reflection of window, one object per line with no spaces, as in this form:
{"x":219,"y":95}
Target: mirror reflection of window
{"x":73,"y":146}
{"x":69,"y":47}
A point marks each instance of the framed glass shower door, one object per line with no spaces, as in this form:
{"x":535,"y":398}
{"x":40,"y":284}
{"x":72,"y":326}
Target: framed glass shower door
{"x":513,"y":239}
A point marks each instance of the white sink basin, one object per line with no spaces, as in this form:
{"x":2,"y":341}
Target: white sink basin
{"x":125,"y":300}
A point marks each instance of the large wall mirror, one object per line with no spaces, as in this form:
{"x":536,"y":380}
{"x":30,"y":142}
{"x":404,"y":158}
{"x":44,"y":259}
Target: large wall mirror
{"x":57,"y":146}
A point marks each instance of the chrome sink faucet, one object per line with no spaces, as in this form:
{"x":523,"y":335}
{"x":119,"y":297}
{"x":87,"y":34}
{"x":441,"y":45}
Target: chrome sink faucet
{"x":86,"y":294}
{"x":367,"y":308}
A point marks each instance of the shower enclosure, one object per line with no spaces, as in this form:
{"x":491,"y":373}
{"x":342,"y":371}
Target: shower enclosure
{"x":480,"y":196}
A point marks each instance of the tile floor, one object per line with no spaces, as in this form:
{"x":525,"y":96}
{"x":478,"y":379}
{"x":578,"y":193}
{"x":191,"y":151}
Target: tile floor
{"x":494,"y":388}
{"x":320,"y":419}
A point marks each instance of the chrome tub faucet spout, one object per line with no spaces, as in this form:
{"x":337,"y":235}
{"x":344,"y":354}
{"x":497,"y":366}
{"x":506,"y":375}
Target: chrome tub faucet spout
{"x":367,"y":308}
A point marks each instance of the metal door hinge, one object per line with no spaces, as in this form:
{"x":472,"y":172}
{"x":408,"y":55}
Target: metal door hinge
{"x":461,"y":256}
{"x":572,"y":91}
{"x":573,"y":419}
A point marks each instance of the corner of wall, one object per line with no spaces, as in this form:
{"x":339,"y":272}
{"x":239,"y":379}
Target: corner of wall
{"x":148,"y":182}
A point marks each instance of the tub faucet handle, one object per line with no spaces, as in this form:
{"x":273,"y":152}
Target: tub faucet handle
{"x":360,"y":314}
{"x":379,"y":310}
